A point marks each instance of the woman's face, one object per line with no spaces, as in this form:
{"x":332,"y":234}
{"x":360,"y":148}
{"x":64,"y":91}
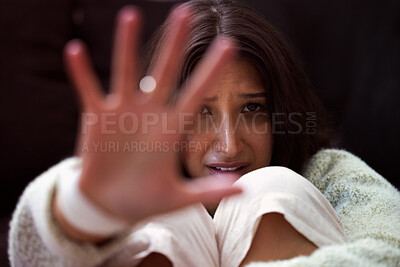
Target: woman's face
{"x":232,"y":132}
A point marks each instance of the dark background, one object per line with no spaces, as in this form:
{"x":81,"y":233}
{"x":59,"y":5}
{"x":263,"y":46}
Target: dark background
{"x":350,"y":49}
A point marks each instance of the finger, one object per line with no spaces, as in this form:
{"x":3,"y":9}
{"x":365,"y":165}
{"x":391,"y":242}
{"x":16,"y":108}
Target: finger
{"x":123,"y":73}
{"x":205,"y":74}
{"x":210,"y":190}
{"x":82,"y":74}
{"x":165,"y":72}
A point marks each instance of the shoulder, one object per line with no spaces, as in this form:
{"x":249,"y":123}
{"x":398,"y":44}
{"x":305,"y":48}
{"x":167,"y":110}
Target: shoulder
{"x":345,"y":180}
{"x":367,"y":204}
{"x":328,"y":160}
{"x":340,"y":175}
{"x":330,"y":165}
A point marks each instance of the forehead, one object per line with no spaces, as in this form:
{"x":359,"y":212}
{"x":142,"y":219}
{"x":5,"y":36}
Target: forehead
{"x":238,"y":76}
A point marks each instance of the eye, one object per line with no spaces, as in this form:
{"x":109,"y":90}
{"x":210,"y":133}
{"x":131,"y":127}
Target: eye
{"x":205,"y":111}
{"x":253,"y":107}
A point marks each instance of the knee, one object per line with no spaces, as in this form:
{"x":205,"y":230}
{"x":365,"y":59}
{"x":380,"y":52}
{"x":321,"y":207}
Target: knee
{"x":274,"y":179}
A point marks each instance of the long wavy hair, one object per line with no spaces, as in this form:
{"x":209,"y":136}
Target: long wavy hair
{"x":302,"y":128}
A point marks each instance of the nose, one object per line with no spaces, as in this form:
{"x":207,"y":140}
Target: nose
{"x":229,"y":141}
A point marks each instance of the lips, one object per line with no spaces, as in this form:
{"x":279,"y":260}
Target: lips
{"x":223,"y":168}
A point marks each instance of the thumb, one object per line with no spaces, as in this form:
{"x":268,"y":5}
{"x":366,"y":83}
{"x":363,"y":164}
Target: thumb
{"x":210,"y":190}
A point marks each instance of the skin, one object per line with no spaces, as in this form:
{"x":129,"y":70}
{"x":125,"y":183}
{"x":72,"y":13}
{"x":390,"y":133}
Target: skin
{"x":276,"y":239}
{"x":240,"y":130}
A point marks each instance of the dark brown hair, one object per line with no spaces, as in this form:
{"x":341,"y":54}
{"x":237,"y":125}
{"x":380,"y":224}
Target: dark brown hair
{"x":289,"y":94}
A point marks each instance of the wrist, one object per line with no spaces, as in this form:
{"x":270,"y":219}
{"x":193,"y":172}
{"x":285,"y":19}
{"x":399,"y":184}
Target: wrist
{"x":79,"y":216}
{"x":70,"y":230}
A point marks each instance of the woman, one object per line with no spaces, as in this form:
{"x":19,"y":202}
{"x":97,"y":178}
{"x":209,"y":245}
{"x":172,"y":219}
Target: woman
{"x":237,"y":113}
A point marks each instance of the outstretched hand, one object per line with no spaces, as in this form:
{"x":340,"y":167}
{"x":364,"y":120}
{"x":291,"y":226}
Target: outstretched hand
{"x":125,"y":181}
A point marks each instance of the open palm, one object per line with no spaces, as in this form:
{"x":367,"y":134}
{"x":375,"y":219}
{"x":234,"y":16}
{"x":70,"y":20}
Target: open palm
{"x":128,"y":138}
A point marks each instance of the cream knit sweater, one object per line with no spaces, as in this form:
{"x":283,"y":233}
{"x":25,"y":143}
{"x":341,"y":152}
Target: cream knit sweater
{"x":368,"y":206}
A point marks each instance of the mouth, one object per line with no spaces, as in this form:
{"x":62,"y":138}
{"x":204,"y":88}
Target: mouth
{"x":223,"y":168}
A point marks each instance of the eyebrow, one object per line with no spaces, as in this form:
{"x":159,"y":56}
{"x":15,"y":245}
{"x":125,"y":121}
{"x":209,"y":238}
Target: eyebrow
{"x":255,"y":95}
{"x":210,"y":99}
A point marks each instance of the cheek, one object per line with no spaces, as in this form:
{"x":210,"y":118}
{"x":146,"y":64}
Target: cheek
{"x":262,"y":147}
{"x":193,"y":151}
{"x":259,"y":123}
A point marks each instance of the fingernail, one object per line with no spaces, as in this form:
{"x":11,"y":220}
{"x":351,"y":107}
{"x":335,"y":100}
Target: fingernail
{"x":128,"y":13}
{"x":74,"y":46}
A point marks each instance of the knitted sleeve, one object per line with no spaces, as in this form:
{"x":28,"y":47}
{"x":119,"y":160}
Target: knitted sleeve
{"x":368,"y":206}
{"x":36,"y":240}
